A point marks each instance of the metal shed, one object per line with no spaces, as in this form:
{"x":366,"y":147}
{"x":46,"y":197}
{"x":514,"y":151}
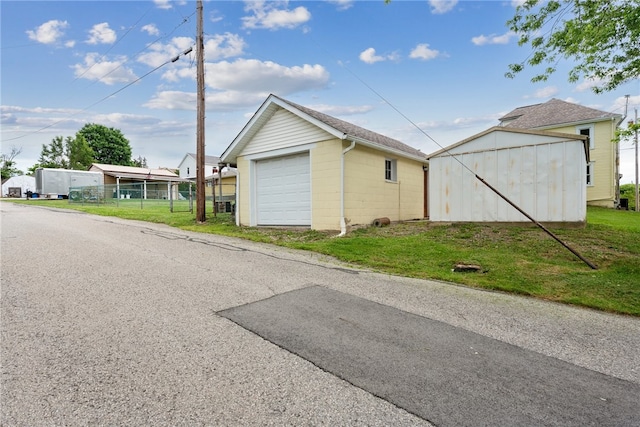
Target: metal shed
{"x":544,"y":173}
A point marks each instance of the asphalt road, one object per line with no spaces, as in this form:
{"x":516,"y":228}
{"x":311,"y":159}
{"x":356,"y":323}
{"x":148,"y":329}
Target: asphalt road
{"x":113,"y":322}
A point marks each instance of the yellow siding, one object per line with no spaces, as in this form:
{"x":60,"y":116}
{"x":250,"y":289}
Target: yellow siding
{"x":228,"y":186}
{"x":369,"y":196}
{"x":244,"y":192}
{"x":602,"y":192}
{"x":325,"y":185}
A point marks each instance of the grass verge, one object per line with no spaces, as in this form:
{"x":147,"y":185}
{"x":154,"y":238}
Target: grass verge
{"x":516,"y":259}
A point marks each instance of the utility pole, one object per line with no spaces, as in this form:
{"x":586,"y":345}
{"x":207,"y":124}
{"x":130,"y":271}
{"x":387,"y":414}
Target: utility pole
{"x":200,"y":191}
{"x":617,"y":165}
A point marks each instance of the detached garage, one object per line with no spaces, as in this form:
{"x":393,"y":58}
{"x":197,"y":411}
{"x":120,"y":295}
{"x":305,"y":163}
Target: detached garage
{"x":299,"y":167}
{"x":544,"y":173}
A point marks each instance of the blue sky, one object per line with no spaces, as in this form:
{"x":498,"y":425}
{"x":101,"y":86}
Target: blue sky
{"x":441,"y":64}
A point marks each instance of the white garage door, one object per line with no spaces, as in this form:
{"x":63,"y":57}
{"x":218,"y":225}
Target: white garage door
{"x":283,"y":190}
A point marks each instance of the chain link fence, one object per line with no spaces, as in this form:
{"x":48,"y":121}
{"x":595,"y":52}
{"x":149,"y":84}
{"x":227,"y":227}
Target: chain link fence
{"x":177,"y":198}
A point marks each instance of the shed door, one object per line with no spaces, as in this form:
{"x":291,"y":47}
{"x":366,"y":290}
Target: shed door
{"x":283,"y":190}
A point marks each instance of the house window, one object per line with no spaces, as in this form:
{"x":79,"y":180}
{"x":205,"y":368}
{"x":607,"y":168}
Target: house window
{"x":187,"y":171}
{"x":590,"y":174}
{"x":587,"y":131}
{"x":390,"y":170}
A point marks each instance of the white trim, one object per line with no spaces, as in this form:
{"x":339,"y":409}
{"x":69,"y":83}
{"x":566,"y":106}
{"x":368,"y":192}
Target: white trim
{"x":281,"y":152}
{"x":592,"y":133}
{"x":322,"y":125}
{"x":393,"y":170}
{"x":253,"y":209}
{"x":590,"y":172}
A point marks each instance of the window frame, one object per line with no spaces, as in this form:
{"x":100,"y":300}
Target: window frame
{"x":390,"y":170}
{"x":590,"y":170}
{"x":591,"y":128}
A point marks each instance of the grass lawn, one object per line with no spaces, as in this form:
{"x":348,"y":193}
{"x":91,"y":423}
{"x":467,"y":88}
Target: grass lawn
{"x":517,"y":259}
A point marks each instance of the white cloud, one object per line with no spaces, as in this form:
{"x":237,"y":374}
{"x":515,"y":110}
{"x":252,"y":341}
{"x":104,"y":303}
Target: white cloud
{"x":439,"y":7}
{"x":173,"y":100}
{"x":369,"y":56}
{"x":49,"y":32}
{"x":101,"y":34}
{"x":423,"y":52}
{"x":545,"y":92}
{"x":223,"y":46}
{"x":241,"y":83}
{"x":96,"y":68}
{"x":621,"y":101}
{"x":119,"y":120}
{"x":36,"y":110}
{"x":219,"y":46}
{"x":342,"y":4}
{"x":482,"y":40}
{"x":587,"y":84}
{"x":461,"y":122}
{"x":251,"y":75}
{"x":215,"y":101}
{"x":516,"y":3}
{"x":268,"y":15}
{"x":151,"y":29}
{"x":160,"y":53}
{"x":163,"y":4}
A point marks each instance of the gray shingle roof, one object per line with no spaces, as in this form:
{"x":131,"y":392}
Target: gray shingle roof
{"x":550,"y":113}
{"x":356,"y":131}
{"x":210,"y":160}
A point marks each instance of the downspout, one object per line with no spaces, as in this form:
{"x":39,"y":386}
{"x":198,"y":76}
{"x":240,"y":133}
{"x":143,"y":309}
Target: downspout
{"x":237,"y":205}
{"x":343,"y":221}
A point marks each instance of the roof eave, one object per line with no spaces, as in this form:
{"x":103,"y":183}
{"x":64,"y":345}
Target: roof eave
{"x":385,"y":149}
{"x":613,"y":117}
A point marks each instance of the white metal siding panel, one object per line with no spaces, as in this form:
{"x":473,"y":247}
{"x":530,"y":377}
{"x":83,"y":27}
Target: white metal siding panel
{"x":545,"y":180}
{"x":284,"y":130}
{"x":283,"y":190}
{"x":528,"y":177}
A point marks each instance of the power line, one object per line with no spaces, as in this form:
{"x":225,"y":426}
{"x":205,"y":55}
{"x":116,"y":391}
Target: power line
{"x":478,"y":177}
{"x":174,"y":59}
{"x":147,"y":46}
{"x":116,"y":43}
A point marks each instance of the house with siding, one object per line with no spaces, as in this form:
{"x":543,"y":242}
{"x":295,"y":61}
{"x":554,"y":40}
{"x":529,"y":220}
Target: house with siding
{"x":221,"y":186}
{"x":187,"y":166}
{"x":602,"y":175}
{"x":300,"y":167}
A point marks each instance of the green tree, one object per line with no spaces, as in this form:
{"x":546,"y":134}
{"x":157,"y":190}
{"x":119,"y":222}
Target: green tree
{"x":601,"y":36}
{"x":70,"y":153}
{"x":108,"y":144}
{"x":79,"y":153}
{"x":8,"y":165}
{"x":54,"y":154}
{"x":140,"y":162}
{"x":628,"y":191}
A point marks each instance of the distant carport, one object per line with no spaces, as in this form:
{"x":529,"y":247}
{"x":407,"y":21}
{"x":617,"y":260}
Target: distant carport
{"x":148,"y":178}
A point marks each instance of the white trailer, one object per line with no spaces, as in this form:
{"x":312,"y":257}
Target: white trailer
{"x":55,"y":183}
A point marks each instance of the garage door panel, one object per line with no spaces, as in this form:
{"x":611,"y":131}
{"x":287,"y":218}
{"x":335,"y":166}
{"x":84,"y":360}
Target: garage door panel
{"x":283,"y":190}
